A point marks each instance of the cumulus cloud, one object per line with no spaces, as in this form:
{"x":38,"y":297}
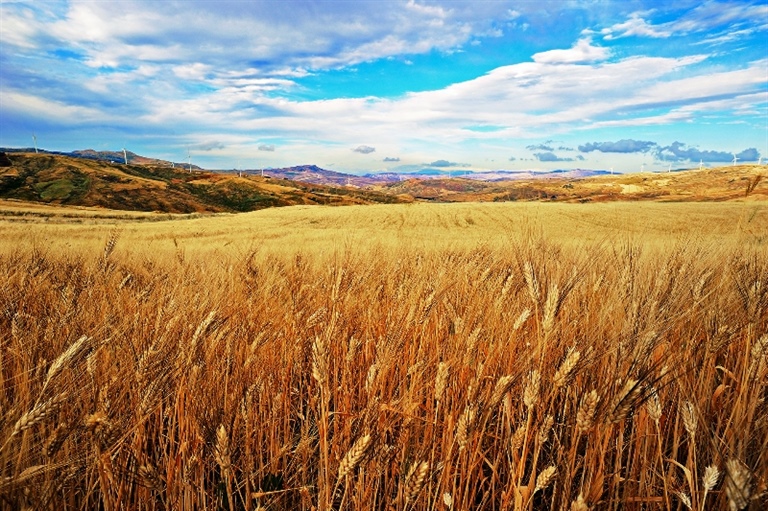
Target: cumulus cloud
{"x":364,"y":149}
{"x":267,"y":147}
{"x":391,"y":159}
{"x":540,"y":147}
{"x":621,"y":146}
{"x":634,"y":26}
{"x":582,"y":52}
{"x":750,"y":154}
{"x":678,"y":151}
{"x":446,"y":163}
{"x":550,"y":157}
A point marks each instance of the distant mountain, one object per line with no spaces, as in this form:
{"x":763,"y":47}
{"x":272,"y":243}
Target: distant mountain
{"x":313,"y":174}
{"x":91,"y":178}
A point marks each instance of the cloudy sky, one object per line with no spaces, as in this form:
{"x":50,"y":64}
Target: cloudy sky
{"x":368,"y":85}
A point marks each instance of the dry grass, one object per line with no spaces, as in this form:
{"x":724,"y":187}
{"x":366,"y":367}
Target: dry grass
{"x":390,"y":373}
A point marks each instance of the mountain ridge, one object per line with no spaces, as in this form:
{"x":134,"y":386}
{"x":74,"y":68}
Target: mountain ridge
{"x":71,"y":180}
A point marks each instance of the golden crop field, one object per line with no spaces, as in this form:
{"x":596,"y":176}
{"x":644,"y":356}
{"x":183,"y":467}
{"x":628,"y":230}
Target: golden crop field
{"x":498,"y":356}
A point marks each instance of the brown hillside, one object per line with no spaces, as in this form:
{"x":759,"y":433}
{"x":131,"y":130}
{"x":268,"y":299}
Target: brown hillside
{"x":64,"y":180}
{"x":719,"y":184}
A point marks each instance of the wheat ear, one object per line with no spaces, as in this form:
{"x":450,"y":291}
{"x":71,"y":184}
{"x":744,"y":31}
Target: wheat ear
{"x":415,"y":481}
{"x":738,"y":484}
{"x":354,"y":456}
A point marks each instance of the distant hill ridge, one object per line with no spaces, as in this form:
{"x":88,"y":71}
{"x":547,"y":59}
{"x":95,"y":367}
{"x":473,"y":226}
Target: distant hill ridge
{"x":93,"y":179}
{"x":90,"y":181}
{"x":310,"y":173}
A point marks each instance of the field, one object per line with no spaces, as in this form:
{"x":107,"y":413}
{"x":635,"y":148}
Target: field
{"x":496,"y":356}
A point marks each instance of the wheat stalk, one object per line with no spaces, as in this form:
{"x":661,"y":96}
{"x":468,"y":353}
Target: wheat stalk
{"x":624,"y":401}
{"x":354,"y":456}
{"x":545,"y":429}
{"x":441,"y":380}
{"x":221,"y":452}
{"x":74,"y":351}
{"x":579,"y":504}
{"x":585,"y":416}
{"x":738,"y":484}
{"x":653,"y":405}
{"x":465,"y":426}
{"x":545,"y":478}
{"x":685,"y":499}
{"x":531,"y":281}
{"x":37,"y":414}
{"x":551,"y":308}
{"x":521,"y":319}
{"x":320,"y":361}
{"x":531,"y":392}
{"x":415,"y":481}
{"x":565,"y":371}
{"x":501,"y":388}
{"x":690,"y":420}
{"x":709,"y":480}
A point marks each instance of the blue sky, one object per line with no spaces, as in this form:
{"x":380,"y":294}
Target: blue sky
{"x":374,"y":85}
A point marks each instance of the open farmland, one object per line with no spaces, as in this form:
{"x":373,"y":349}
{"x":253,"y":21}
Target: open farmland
{"x":492,"y":356}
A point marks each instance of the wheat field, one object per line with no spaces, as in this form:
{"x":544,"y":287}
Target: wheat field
{"x":399,"y":357}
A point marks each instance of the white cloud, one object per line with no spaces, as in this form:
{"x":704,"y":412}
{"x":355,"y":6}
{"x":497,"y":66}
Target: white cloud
{"x":279,"y":36}
{"x":523,"y":100}
{"x":49,"y":109}
{"x":581,"y":52}
{"x":192,"y":71}
{"x":634,"y":26}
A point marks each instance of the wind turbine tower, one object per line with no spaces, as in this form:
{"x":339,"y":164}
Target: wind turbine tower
{"x":34,"y":138}
{"x":669,"y":169}
{"x":701,"y":164}
{"x":735,"y":159}
{"x":189,"y":161}
{"x":125,"y":156}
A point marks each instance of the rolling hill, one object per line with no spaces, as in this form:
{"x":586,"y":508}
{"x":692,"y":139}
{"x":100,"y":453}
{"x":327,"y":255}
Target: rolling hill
{"x":718,"y":184}
{"x":87,"y":179}
{"x":68,"y":180}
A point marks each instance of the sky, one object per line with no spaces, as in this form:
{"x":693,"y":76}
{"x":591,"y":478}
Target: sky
{"x":382,"y":85}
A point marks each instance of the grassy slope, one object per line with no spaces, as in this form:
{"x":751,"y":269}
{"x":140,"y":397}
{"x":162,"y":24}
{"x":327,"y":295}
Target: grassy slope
{"x":72,"y":181}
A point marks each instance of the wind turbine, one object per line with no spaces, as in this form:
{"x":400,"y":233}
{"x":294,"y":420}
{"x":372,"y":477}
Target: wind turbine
{"x":670,"y":168}
{"x":34,"y":138}
{"x":642,"y":167}
{"x":760,"y":161}
{"x":125,"y":156}
{"x":701,"y":164}
{"x":611,"y":170}
{"x":735,"y":159}
{"x":189,"y":160}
